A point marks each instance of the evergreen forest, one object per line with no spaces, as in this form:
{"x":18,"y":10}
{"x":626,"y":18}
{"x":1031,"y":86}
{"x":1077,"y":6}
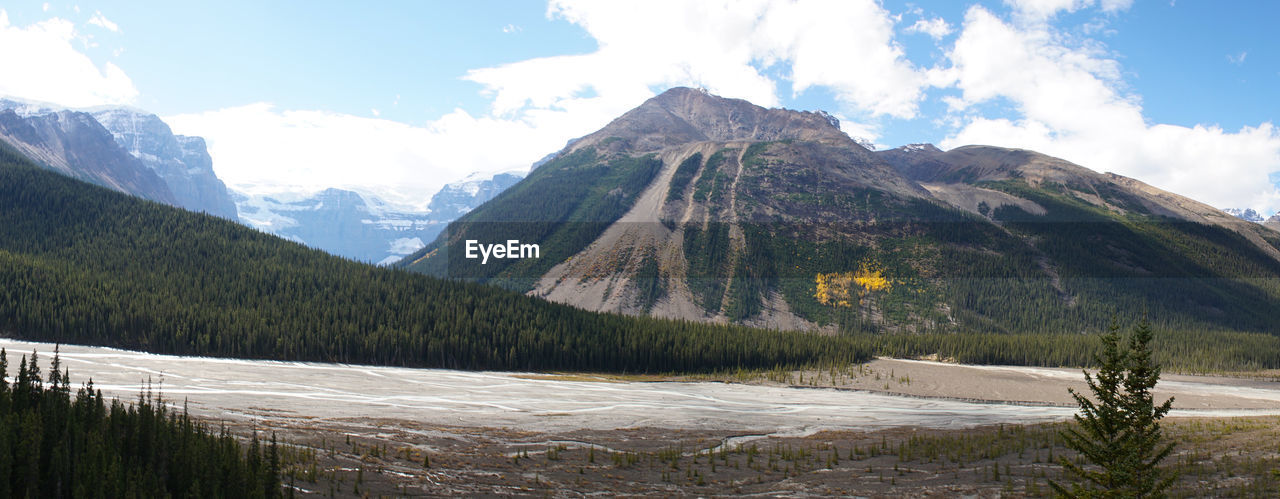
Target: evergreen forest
{"x":56,"y":444}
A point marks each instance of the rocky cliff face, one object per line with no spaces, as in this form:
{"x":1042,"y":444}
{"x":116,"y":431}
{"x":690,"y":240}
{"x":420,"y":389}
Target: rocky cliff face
{"x":75,"y":144}
{"x":183,"y":162}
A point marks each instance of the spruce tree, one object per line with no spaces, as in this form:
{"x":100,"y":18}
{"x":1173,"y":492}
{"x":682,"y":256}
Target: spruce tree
{"x":1118,"y":430}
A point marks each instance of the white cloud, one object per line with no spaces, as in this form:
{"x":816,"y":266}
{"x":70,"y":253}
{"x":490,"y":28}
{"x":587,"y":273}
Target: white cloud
{"x":1042,"y":10}
{"x":44,"y":7}
{"x":846,"y":46}
{"x":101,"y":21}
{"x":261,"y":150}
{"x":405,"y":245}
{"x":538,"y":104}
{"x":1070,"y":106}
{"x":862,"y":133}
{"x":511,"y":28}
{"x":935,"y":28}
{"x":1237,"y":59}
{"x":41,"y":63}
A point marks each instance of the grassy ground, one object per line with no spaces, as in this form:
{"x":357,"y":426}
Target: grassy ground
{"x":1237,"y":457}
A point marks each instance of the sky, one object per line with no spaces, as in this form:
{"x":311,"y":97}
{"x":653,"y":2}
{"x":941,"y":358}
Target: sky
{"x":398,"y":98}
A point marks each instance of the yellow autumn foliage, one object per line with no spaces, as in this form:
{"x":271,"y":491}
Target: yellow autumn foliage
{"x":837,"y":289}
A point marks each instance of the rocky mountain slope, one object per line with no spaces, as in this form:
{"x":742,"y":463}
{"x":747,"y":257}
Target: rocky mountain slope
{"x":710,"y":209}
{"x":121,"y":148}
{"x":75,"y":144}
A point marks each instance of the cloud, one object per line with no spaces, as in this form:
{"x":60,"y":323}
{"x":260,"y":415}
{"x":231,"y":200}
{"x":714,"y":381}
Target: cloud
{"x":102,"y":22}
{"x":262,"y":150}
{"x":405,"y":245}
{"x":511,"y":28}
{"x":540,"y":103}
{"x":1068,"y":104}
{"x":42,"y":63}
{"x":1043,"y":10}
{"x":935,"y":28}
{"x":1237,"y":59}
{"x":846,"y":46}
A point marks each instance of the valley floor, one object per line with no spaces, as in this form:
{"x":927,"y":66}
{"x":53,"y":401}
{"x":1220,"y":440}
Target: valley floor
{"x":1029,"y":385}
{"x":885,"y":428}
{"x":1215,"y":457}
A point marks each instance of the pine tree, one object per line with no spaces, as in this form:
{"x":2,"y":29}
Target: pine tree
{"x":1118,"y":431}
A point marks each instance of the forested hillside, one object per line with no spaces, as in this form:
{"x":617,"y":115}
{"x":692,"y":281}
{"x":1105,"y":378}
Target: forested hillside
{"x":82,"y":264}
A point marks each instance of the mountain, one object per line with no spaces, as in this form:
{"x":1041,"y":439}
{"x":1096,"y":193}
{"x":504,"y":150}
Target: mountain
{"x":360,"y":226}
{"x":183,"y":162}
{"x":85,"y":265}
{"x":75,"y":144}
{"x":1247,"y":214}
{"x":121,"y":148}
{"x":703,"y":208}
{"x":458,"y":198}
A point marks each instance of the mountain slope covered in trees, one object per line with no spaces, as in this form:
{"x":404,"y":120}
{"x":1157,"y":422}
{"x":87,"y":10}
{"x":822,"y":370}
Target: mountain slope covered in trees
{"x":82,"y":264}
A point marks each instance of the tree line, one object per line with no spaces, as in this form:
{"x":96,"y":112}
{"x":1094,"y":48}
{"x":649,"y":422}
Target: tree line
{"x":56,"y":444}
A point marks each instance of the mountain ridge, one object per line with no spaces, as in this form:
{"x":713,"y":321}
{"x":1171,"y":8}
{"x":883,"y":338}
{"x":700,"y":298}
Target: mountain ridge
{"x":709,"y":209}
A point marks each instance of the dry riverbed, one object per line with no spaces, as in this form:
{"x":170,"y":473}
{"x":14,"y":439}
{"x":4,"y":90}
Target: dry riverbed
{"x":886,"y":428}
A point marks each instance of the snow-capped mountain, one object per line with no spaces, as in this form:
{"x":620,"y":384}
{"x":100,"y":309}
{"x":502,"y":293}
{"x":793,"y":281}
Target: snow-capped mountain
{"x":183,"y":162}
{"x":456,"y":199}
{"x":1245,"y":214}
{"x":362,"y":226}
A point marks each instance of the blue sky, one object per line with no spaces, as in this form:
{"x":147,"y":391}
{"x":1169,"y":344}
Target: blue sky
{"x":397,"y":98}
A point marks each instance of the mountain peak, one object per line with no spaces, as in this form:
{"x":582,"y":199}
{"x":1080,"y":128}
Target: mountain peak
{"x":684,"y":115}
{"x":1246,"y":214}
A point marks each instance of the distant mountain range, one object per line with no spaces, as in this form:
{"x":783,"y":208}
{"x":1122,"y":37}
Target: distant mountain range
{"x":361,"y":226}
{"x":135,"y":152}
{"x":703,"y":208}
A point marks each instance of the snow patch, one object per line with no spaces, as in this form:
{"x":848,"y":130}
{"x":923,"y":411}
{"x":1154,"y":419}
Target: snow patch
{"x":406,"y":245}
